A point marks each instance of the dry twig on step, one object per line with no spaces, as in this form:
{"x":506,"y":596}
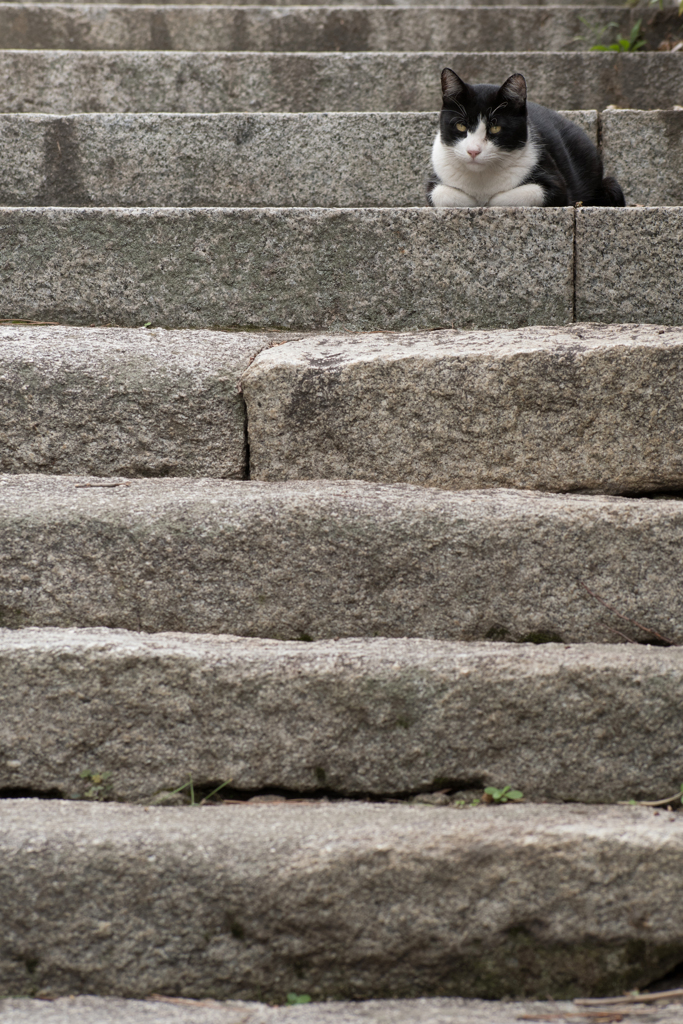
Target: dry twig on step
{"x":611,"y":608}
{"x":118,"y":483}
{"x":646,"y":997}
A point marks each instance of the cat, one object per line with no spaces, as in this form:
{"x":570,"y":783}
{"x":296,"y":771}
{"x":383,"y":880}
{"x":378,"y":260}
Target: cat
{"x":495,"y":149}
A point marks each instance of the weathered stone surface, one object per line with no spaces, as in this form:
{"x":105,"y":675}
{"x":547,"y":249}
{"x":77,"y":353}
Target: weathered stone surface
{"x":298,"y":29}
{"x":113,"y":1010}
{"x":337,"y":900}
{"x":121,"y":402}
{"x":291,"y":269}
{"x":331,"y":559}
{"x":644,"y":150}
{"x":538,"y":408}
{"x":220,"y":159}
{"x":588,"y":723}
{"x":365,"y":3}
{"x":628,"y":265}
{"x":65,"y":82}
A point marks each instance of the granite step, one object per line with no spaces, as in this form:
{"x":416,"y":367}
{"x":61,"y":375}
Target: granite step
{"x":535,"y":408}
{"x":118,"y":402}
{"x":380,"y":159}
{"x":338,"y":900}
{"x":459,"y":4}
{"x":360,"y":269}
{"x":429,"y":720}
{"x":303,"y":269}
{"x":172,"y":1010}
{"x":69,"y":81}
{"x":326,"y":29}
{"x":325,"y":559}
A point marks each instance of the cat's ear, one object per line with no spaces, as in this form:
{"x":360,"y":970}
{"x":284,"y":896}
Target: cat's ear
{"x":452,"y":87}
{"x":513,"y":92}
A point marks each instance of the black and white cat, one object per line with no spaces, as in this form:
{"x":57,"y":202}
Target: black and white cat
{"x":495,"y":149}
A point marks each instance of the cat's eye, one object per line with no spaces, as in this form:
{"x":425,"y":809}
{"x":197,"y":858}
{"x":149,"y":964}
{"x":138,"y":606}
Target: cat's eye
{"x":494,"y":129}
{"x":461,"y":127}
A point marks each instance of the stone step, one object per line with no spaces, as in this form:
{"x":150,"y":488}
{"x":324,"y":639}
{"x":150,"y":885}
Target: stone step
{"x":147,"y":713}
{"x":651,"y":168}
{"x":344,"y":270}
{"x":341,"y":900}
{"x":251,"y":159}
{"x":327,"y":559}
{"x":172,"y":1010}
{"x":299,"y":269}
{"x":448,"y":4}
{"x":534,"y":408}
{"x":284,"y":159}
{"x":326,"y":29}
{"x":124,"y":402}
{"x":607,"y":280}
{"x":65,"y":82}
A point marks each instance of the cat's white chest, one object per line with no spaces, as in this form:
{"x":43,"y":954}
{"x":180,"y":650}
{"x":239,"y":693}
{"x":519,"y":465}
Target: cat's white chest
{"x":502,"y":171}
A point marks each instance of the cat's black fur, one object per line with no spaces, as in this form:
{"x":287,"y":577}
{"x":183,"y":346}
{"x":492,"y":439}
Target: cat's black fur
{"x":569,"y":167}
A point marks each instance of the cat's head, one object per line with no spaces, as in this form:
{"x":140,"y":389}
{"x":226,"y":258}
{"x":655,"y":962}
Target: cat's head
{"x":482,"y":122}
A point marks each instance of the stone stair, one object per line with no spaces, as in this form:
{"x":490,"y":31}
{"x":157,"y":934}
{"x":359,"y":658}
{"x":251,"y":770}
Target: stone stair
{"x":370,"y":514}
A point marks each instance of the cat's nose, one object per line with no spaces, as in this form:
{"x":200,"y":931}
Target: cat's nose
{"x":474,"y":151}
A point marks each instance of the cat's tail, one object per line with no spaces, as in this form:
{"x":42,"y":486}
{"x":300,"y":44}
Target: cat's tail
{"x":610,"y":193}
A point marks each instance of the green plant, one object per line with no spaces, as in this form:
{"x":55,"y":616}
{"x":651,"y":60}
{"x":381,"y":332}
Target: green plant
{"x":595,"y":33}
{"x":502,"y":796}
{"x":628,"y":44}
{"x":656,"y":803}
{"x":293,"y":999}
{"x":100,"y":787}
{"x":660,"y":4}
{"x":197,"y":803}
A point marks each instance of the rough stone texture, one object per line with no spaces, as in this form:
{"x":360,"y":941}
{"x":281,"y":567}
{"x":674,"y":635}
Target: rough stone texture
{"x":644,"y":150}
{"x":365,"y":3}
{"x":291,"y":269}
{"x":337,"y":900}
{"x":220,"y":159}
{"x":112,"y":1010}
{"x":331,"y":559}
{"x":123,"y":402}
{"x":538,"y":408}
{"x":326,"y":29}
{"x":586,"y":723}
{"x":216,"y":159}
{"x":628,"y":265}
{"x":65,"y":82}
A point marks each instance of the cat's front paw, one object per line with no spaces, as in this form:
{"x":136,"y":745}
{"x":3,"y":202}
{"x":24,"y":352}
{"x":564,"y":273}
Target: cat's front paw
{"x":523,"y":195}
{"x":444,"y":195}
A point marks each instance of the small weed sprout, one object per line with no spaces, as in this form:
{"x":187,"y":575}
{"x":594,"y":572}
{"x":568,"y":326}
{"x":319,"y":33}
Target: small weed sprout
{"x":668,"y":800}
{"x":594,"y":33}
{"x":660,"y":4}
{"x":100,"y":786}
{"x":294,"y":1000}
{"x":193,"y":801}
{"x":628,"y":44}
{"x":502,"y":796}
